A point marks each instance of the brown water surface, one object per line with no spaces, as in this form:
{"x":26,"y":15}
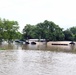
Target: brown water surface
{"x":39,"y":59}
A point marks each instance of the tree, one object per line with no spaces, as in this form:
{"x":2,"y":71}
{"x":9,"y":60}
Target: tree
{"x":47,"y":30}
{"x":10,"y":29}
{"x":50,"y":31}
{"x":27,"y":31}
{"x":73,"y":30}
{"x":58,"y":33}
{"x":68,"y":35}
{"x":1,"y":30}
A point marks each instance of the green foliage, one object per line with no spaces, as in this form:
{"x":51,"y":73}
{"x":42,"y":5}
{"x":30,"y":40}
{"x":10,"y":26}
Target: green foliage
{"x":47,"y":30}
{"x":68,"y":35}
{"x":8,"y":29}
{"x":73,"y":31}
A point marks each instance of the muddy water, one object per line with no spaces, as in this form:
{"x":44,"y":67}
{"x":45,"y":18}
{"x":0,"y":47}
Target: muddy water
{"x":37,"y":59}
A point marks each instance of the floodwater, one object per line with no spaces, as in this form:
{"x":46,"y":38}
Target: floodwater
{"x":39,"y":59}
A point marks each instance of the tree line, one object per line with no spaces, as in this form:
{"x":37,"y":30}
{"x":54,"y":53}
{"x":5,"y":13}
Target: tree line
{"x":48,"y":30}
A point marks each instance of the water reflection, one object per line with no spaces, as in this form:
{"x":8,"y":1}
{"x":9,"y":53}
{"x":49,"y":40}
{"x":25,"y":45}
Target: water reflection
{"x":40,"y":46}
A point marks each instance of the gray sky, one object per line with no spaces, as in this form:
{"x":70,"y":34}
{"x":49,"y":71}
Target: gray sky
{"x":61,"y":12}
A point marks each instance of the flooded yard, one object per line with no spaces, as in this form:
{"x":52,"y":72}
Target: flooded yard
{"x":39,"y":59}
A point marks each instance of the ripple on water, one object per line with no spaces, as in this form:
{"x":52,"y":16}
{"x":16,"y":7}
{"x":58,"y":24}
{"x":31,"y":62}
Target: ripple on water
{"x":34,"y":62}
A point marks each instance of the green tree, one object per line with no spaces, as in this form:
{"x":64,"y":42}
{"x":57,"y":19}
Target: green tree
{"x":47,"y":30}
{"x":1,"y":30}
{"x":68,"y":35}
{"x":8,"y":29}
{"x":27,"y":31}
{"x":50,"y":31}
{"x":58,"y":33}
{"x":73,"y":30}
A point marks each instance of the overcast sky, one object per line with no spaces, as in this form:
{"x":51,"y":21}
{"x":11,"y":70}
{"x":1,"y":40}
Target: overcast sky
{"x":61,"y":12}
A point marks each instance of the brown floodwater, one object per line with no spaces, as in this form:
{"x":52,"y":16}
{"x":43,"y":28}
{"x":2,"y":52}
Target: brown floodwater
{"x":39,"y":59}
